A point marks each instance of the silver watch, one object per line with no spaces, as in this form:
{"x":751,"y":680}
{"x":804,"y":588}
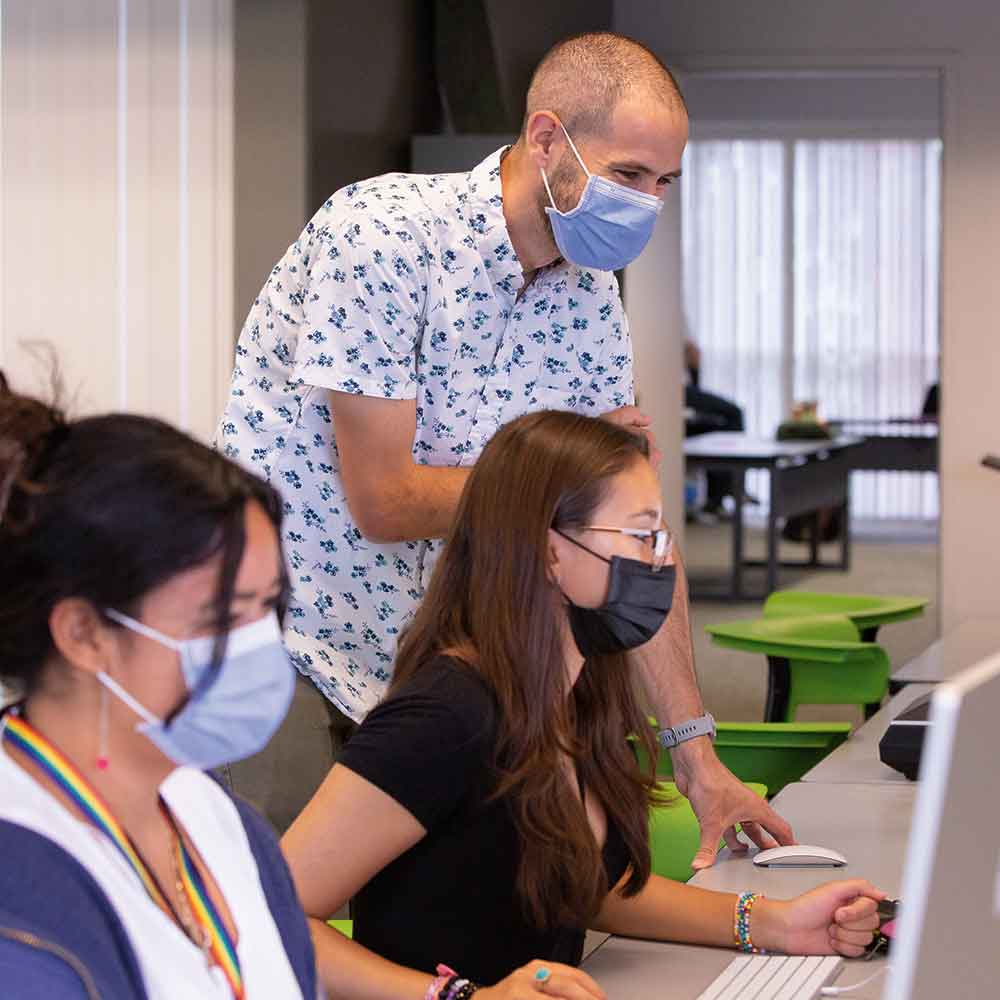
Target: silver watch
{"x":704,"y":725}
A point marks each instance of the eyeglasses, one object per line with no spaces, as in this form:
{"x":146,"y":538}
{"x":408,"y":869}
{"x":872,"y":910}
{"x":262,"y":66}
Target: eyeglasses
{"x":660,"y":540}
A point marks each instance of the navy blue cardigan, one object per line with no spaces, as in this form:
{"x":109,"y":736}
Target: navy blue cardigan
{"x":61,"y":939}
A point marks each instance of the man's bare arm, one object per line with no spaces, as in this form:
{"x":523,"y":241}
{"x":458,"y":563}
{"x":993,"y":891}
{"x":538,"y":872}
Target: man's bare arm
{"x":666,"y":664}
{"x":391,"y":497}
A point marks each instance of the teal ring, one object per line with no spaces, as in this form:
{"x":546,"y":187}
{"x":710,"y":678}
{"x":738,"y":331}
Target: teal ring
{"x":542,"y":976}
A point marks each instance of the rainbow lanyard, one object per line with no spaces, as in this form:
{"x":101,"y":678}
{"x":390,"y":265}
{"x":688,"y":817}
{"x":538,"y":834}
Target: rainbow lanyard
{"x":220,"y":946}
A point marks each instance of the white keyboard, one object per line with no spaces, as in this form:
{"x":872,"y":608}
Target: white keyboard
{"x":774,"y":977}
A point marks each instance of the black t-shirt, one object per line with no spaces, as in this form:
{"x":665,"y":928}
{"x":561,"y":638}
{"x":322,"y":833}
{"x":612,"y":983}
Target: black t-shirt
{"x":451,"y":898}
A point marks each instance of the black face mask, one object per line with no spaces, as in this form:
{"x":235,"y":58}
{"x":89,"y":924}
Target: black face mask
{"x":638,"y":602}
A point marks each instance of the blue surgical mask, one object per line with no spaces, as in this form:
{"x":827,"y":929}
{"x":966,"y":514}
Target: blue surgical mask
{"x":230,"y":713}
{"x":610,"y":225}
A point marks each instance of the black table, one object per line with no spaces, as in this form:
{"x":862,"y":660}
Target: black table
{"x":892,"y":445}
{"x":804,"y":475}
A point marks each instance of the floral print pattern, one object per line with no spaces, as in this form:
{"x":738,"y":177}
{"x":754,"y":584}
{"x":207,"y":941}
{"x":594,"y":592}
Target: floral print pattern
{"x":404,"y":286}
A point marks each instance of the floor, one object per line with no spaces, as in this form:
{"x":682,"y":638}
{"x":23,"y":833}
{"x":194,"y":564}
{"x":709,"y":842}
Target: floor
{"x":898,"y":559}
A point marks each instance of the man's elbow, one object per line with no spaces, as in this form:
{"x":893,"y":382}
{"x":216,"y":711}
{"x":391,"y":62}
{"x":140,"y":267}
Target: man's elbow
{"x":378,"y":524}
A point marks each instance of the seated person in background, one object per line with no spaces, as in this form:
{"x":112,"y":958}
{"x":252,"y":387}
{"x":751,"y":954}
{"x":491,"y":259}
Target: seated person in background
{"x":711,"y":413}
{"x":490,"y":809}
{"x":140,"y":573}
{"x":932,"y":402}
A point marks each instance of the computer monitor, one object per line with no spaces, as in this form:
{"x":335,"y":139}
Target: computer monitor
{"x":948,"y":940}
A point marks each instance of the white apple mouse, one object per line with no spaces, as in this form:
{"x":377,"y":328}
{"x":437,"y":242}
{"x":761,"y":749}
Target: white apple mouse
{"x":799,"y":856}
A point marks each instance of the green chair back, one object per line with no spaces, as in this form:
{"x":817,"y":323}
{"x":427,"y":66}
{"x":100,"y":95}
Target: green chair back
{"x":674,"y":833}
{"x":868,"y":612}
{"x":820,"y":659}
{"x":346,"y":927}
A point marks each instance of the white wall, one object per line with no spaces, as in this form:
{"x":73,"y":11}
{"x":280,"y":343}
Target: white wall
{"x":116,"y":201}
{"x":960,"y":38}
{"x":271,"y":152}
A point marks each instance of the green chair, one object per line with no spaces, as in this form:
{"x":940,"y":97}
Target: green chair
{"x":674,"y":833}
{"x":812,"y":660}
{"x":346,"y":927}
{"x":866,"y":611}
{"x":772,"y":753}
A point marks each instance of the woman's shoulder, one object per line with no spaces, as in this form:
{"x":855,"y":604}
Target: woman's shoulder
{"x":49,"y":897}
{"x":447,"y":684}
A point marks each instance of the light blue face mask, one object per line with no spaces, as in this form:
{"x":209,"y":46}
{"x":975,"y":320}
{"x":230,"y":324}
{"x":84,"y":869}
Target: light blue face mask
{"x":229,"y":715}
{"x":610,"y":225}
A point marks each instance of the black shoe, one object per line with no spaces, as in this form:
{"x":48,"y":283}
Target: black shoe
{"x":714,"y":510}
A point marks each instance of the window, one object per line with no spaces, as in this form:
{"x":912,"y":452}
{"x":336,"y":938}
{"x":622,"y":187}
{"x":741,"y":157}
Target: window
{"x":811,"y":272}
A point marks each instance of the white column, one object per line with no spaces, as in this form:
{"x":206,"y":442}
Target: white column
{"x":653,"y":305}
{"x":116,"y":202}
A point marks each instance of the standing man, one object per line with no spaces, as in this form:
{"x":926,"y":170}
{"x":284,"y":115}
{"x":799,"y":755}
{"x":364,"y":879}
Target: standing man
{"x":412,"y":318}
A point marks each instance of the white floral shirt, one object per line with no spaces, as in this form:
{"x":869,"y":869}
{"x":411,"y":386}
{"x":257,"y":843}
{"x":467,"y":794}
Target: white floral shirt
{"x":404,"y":286}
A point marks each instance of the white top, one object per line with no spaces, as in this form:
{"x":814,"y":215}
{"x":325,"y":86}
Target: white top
{"x":405,"y":286}
{"x":173,"y":967}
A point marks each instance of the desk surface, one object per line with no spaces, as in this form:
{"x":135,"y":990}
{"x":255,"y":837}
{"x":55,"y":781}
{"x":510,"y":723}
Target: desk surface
{"x":868,"y":823}
{"x":856,"y":759}
{"x":749,"y":449}
{"x":960,"y":648}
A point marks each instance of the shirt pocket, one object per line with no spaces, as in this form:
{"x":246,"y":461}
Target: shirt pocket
{"x":563,"y":383}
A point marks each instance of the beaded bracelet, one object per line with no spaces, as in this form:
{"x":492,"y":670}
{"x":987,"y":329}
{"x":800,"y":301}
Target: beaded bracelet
{"x":741,"y":923}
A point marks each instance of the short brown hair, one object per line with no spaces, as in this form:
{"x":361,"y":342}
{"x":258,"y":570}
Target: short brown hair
{"x":583,"y":79}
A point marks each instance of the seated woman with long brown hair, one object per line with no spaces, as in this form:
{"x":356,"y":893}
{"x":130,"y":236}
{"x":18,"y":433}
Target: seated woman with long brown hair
{"x":490,"y":809}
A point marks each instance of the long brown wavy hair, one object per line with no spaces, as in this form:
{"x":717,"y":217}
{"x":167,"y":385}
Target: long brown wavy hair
{"x":492,"y":605}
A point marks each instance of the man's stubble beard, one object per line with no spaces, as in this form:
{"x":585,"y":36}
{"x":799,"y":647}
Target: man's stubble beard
{"x":567,"y":183}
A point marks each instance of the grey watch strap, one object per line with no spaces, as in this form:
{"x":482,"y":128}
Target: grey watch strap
{"x":704,"y":725}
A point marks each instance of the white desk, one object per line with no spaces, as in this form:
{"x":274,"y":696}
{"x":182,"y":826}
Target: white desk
{"x":868,"y":823}
{"x":963,"y":646}
{"x":856,"y":759}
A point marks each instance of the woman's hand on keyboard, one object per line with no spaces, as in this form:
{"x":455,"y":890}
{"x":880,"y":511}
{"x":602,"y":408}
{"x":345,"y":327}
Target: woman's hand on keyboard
{"x":836,"y":918}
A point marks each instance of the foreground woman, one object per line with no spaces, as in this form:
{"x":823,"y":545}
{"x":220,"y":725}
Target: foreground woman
{"x":140,"y":575}
{"x":490,"y":809}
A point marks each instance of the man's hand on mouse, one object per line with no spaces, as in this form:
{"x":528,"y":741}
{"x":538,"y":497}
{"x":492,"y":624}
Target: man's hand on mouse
{"x":720,"y":801}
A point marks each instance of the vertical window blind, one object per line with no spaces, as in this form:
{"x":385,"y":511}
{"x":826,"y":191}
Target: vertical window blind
{"x":811,"y":272}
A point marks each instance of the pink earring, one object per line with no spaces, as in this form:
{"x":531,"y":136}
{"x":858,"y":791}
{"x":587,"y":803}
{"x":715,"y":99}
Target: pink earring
{"x":102,"y":732}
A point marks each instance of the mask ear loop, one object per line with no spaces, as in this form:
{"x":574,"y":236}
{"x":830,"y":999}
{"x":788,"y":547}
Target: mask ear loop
{"x":579,"y":159}
{"x":572,"y":145}
{"x":548,"y":190}
{"x":149,"y":633}
{"x":116,"y":689}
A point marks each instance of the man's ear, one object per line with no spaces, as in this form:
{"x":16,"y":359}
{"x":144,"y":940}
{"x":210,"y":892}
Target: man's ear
{"x":81,"y":635}
{"x":544,"y":138}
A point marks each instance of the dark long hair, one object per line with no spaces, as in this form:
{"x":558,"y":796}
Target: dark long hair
{"x":491,"y":604}
{"x":106,"y":509}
